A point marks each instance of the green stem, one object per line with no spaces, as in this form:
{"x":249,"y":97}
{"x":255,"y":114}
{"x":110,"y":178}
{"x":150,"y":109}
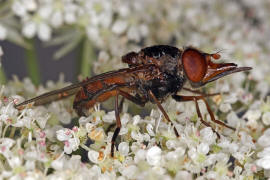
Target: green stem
{"x":32,"y":63}
{"x":3,"y":78}
{"x":85,"y":147}
{"x":87,"y":55}
{"x":4,"y":131}
{"x":12,"y":133}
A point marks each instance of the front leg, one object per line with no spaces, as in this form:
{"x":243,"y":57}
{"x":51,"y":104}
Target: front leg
{"x":203,"y":94}
{"x":195,"y":99}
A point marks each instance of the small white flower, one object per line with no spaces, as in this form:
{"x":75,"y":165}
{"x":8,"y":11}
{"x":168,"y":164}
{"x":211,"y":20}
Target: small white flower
{"x":144,"y":30}
{"x":146,"y":137}
{"x":208,"y":136}
{"x":109,"y":117}
{"x":171,"y":144}
{"x":231,"y":98}
{"x":233,"y":119}
{"x":264,"y":139}
{"x":123,"y":131}
{"x":210,"y":159}
{"x":123,"y":148}
{"x":136,"y":119}
{"x":137,"y":136}
{"x":93,"y":156}
{"x":18,"y":8}
{"x":3,"y":32}
{"x":252,"y":116}
{"x":203,"y":148}
{"x":140,"y":155}
{"x":58,"y":164}
{"x":212,"y":175}
{"x":69,"y":17}
{"x":29,"y":29}
{"x":32,"y":154}
{"x":125,"y":119}
{"x":45,"y":11}
{"x":180,"y":151}
{"x":93,"y":33}
{"x":63,"y":134}
{"x":6,"y":174}
{"x":226,"y":145}
{"x":192,"y":153}
{"x":159,"y":170}
{"x":266,"y":118}
{"x":30,"y":165}
{"x":264,"y":162}
{"x":149,"y":129}
{"x":119,"y":26}
{"x":71,"y":145}
{"x":183,"y":175}
{"x":44,"y":32}
{"x":6,"y":144}
{"x":70,"y":140}
{"x":225,"y":107}
{"x":246,"y":141}
{"x":171,"y":156}
{"x":57,"y":19}
{"x":133,"y":33}
{"x":84,"y":120}
{"x":153,"y":156}
{"x":14,"y":161}
{"x":130,"y":172}
{"x":30,"y":5}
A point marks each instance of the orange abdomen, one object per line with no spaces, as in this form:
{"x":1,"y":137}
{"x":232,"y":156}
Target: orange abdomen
{"x":98,"y":91}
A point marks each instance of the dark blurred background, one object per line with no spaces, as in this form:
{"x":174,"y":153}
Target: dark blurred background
{"x":13,"y":62}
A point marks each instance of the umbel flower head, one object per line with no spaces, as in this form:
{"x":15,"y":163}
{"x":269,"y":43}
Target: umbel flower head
{"x":144,"y":152}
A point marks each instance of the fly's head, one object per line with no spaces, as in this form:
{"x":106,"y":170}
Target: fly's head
{"x":200,"y":70}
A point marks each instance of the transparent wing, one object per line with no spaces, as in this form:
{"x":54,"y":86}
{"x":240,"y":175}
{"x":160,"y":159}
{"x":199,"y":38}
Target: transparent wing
{"x":69,"y":90}
{"x":53,"y":95}
{"x":74,"y":88}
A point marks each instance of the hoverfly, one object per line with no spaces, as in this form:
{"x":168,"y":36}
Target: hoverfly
{"x":154,"y":73}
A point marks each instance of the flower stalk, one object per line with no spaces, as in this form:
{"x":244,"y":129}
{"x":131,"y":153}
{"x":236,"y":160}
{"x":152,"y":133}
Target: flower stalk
{"x":86,"y":56}
{"x":32,"y":62}
{"x":2,"y":76}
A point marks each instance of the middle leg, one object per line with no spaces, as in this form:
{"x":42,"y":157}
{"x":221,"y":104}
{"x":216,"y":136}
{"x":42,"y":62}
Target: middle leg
{"x":163,"y":111}
{"x":136,"y":100}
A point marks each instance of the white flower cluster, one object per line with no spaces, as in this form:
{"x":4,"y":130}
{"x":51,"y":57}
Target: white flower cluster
{"x":32,"y":142}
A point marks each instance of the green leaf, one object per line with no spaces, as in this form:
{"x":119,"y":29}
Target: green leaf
{"x":69,"y":46}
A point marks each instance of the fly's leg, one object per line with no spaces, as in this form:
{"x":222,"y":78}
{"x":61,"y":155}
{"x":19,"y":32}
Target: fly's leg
{"x":162,"y":110}
{"x":203,"y":94}
{"x":190,"y":98}
{"x":118,"y":125}
{"x":139,"y":101}
{"x":195,"y":99}
{"x":125,"y":95}
{"x":213,"y":117}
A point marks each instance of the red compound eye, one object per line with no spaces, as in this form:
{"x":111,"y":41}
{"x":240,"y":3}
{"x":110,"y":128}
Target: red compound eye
{"x":195,"y":65}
